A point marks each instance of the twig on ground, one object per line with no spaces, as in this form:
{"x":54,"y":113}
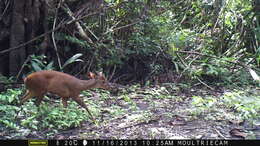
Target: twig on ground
{"x":205,"y":84}
{"x":141,"y":123}
{"x":221,"y":135}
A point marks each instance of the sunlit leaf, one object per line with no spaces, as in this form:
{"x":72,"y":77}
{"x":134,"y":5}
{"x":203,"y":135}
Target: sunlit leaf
{"x":73,"y":59}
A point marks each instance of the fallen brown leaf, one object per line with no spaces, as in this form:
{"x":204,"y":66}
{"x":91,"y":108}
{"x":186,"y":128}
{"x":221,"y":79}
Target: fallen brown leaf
{"x":236,"y":122}
{"x":177,"y":121}
{"x":238,"y":133}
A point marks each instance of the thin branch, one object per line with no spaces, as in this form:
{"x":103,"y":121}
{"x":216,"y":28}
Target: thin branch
{"x":219,"y":15}
{"x":113,"y":72}
{"x":67,"y":23}
{"x":25,"y":62}
{"x":8,"y":83}
{"x":182,"y":61}
{"x":8,"y":3}
{"x":28,"y":42}
{"x":201,"y":54}
{"x":91,"y":32}
{"x":187,"y":67}
{"x":112,"y":27}
{"x":82,"y":33}
{"x":53,"y":34}
{"x":204,"y":84}
{"x":85,"y":66}
{"x":50,"y":31}
{"x":245,"y":66}
{"x":91,"y":61}
{"x":233,"y":62}
{"x":128,"y":25}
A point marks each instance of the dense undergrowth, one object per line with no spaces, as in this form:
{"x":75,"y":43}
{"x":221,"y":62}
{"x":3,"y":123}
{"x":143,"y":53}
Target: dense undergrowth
{"x":51,"y":118}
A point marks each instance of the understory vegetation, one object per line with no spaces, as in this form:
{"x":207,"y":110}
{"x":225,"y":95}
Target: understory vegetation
{"x":165,"y":106}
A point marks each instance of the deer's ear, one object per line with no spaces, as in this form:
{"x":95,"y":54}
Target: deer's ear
{"x":91,"y":75}
{"x":101,"y":76}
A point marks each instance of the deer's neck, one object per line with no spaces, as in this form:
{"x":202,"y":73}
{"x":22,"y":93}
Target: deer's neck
{"x":87,"y":84}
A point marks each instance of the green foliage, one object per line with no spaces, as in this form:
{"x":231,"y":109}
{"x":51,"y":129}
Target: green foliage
{"x":242,"y":103}
{"x":182,"y":40}
{"x":247,"y":105}
{"x":10,"y":96}
{"x":160,"y":92}
{"x":212,"y":33}
{"x":39,"y":63}
{"x":48,"y":117}
{"x":155,"y":32}
{"x":5,"y":79}
{"x":203,"y":105}
{"x":217,"y":68}
{"x":52,"y":117}
{"x":114,"y":57}
{"x":72,"y":39}
{"x":117,"y":110}
{"x":8,"y":108}
{"x":74,"y":58}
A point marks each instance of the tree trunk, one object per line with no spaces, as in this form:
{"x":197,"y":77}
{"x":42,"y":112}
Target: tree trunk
{"x":4,"y":34}
{"x":17,"y":37}
{"x":28,"y":19}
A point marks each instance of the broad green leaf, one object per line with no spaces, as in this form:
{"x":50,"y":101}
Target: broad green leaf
{"x":36,"y":67}
{"x":73,"y":59}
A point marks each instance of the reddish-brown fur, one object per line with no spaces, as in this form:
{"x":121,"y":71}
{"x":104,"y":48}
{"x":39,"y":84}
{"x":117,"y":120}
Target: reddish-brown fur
{"x":61,"y":84}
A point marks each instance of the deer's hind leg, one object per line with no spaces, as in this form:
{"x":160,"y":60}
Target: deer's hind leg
{"x":26,"y":96}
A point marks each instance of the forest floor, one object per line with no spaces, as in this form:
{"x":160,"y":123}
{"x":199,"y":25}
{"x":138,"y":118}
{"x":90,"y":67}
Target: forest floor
{"x":159,"y":112}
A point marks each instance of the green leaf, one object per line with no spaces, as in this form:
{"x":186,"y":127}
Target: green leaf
{"x":254,"y":75}
{"x":49,"y":66}
{"x":11,"y":98}
{"x":36,"y":67}
{"x":39,"y":62}
{"x":73,"y":59}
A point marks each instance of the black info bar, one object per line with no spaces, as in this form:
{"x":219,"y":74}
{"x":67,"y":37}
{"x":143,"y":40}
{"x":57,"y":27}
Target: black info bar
{"x":97,"y":142}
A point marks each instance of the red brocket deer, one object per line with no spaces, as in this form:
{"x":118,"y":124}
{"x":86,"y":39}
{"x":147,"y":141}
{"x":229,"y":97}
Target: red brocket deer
{"x":61,"y":84}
